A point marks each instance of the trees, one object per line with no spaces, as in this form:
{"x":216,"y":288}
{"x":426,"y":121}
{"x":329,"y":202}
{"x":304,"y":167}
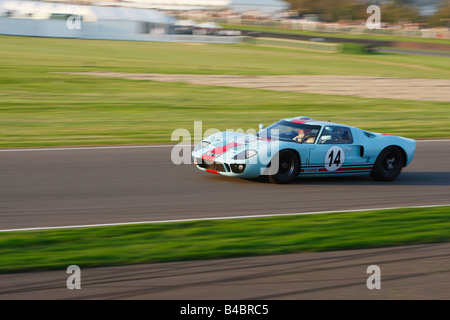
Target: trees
{"x":332,"y":10}
{"x":441,"y":17}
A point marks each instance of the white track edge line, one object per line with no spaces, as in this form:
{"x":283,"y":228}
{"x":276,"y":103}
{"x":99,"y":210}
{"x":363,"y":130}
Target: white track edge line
{"x":137,"y":147}
{"x":218,"y":218}
{"x":97,"y":148}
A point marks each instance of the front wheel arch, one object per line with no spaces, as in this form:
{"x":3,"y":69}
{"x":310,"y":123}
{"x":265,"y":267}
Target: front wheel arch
{"x":283,"y":178}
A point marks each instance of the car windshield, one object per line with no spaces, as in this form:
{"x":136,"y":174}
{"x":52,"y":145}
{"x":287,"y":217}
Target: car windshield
{"x":291,"y":131}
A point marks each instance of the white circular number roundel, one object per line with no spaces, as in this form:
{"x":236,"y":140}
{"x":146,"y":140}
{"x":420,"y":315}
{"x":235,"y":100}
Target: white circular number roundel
{"x":334,"y":158}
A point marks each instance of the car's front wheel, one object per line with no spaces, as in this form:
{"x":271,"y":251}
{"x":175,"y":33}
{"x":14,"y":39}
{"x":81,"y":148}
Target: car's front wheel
{"x":288,"y":167}
{"x":388,"y":165}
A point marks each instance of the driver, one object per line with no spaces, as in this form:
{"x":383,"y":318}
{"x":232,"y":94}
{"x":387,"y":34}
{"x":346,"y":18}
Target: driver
{"x":303,"y":135}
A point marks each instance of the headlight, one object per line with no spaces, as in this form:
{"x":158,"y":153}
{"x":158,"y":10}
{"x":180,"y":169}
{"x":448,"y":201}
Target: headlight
{"x":245,"y":154}
{"x":201,"y":145}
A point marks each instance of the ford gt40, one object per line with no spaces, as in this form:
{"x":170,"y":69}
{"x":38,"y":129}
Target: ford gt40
{"x":303,"y":147}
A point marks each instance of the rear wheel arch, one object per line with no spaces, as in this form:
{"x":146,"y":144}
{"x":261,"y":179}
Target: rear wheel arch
{"x":405,"y":157}
{"x":389,"y":163}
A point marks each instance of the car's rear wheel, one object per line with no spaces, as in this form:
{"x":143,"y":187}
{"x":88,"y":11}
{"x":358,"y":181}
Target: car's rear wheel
{"x":288,"y":167}
{"x":388,"y":165}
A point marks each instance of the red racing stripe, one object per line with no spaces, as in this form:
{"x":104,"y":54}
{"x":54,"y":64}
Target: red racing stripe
{"x":300,"y":121}
{"x":314,"y":170}
{"x":355,"y":168}
{"x":211,"y":155}
{"x":347,"y":169}
{"x":208,"y":157}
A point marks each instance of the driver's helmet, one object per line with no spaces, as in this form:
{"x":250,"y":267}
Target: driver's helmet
{"x":305,"y":132}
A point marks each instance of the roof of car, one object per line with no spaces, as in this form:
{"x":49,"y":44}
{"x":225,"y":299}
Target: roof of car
{"x":308,"y":120}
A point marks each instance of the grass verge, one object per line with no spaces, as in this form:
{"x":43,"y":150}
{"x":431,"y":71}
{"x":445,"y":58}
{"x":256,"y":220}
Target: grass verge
{"x":39,"y":108}
{"x":211,"y":239}
{"x":90,"y":111}
{"x":26,"y":56}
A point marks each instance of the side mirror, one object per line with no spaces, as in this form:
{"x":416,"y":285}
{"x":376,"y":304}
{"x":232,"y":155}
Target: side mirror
{"x":261,"y":126}
{"x":324,"y":139}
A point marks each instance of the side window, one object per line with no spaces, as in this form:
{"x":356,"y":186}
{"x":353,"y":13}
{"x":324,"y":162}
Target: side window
{"x":336,"y":135}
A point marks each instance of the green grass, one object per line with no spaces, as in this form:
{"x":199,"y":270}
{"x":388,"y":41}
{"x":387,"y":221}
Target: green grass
{"x":41,"y":108}
{"x":210,"y":239}
{"x":367,"y":36}
{"x":92,"y":111}
{"x":25,"y":56}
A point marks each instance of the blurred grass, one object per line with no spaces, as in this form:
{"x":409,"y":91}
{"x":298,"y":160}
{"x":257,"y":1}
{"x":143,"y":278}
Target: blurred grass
{"x":211,"y":239}
{"x":26,"y":55}
{"x":41,"y":108}
{"x":105,"y":111}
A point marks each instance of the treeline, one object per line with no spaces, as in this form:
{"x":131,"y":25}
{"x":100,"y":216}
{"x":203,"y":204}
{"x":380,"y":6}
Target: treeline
{"x":392,"y":12}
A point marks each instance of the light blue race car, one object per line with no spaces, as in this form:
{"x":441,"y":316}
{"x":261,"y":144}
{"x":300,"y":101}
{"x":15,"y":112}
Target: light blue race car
{"x":303,"y":147}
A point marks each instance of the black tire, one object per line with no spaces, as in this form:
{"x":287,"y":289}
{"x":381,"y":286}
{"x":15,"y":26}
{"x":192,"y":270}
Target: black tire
{"x":388,"y":165}
{"x":288,"y":169}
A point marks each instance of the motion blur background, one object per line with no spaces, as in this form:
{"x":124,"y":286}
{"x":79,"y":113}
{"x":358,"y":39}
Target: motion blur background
{"x":43,"y":106}
{"x":129,"y":73}
{"x":133,"y":18}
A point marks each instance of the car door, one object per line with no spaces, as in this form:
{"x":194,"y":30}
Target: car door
{"x":336,"y":151}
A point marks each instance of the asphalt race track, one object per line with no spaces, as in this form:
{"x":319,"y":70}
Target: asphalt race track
{"x":96,"y":186}
{"x":50,"y":188}
{"x":409,"y":272}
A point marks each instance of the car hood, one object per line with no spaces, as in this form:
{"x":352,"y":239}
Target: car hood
{"x":225,"y":145}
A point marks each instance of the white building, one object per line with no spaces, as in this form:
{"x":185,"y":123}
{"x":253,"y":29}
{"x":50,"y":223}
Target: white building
{"x":50,"y":19}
